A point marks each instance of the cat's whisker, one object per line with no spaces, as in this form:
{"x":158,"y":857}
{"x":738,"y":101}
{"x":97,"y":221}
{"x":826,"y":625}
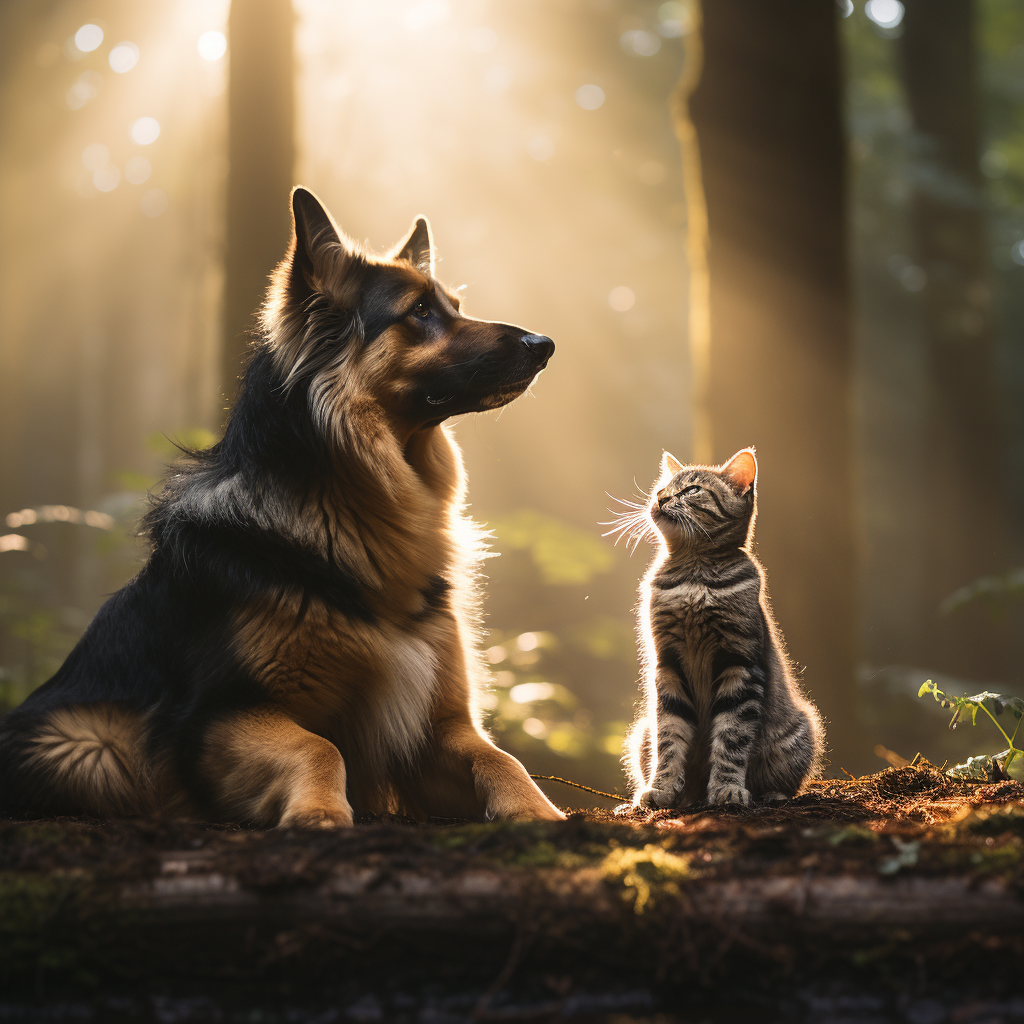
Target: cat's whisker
{"x":630,"y":526}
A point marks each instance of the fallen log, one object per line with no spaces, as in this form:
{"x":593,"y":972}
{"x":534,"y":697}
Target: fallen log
{"x":904,"y":875}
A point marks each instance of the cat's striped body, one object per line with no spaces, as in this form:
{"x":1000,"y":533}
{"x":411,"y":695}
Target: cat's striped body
{"x":722,"y":702}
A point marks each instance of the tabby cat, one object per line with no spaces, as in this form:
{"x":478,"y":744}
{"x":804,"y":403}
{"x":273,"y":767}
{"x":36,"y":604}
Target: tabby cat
{"x":724,"y":719}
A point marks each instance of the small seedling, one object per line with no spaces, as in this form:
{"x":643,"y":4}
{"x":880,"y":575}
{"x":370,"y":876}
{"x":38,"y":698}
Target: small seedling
{"x":985,"y":766}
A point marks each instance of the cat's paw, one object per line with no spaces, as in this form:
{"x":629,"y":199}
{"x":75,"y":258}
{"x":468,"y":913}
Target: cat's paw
{"x":729,"y":795}
{"x":656,"y":799}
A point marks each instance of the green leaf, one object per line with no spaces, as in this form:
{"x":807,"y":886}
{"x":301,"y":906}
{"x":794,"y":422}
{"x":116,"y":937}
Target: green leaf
{"x":999,"y":702}
{"x":562,"y":552}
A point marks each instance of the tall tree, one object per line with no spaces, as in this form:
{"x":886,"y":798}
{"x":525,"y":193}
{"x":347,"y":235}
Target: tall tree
{"x":261,"y":153}
{"x":768,"y":119}
{"x":966,"y":476}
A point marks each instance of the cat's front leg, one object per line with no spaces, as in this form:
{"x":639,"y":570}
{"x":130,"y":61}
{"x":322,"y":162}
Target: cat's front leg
{"x":735,"y":725}
{"x":676,"y":721}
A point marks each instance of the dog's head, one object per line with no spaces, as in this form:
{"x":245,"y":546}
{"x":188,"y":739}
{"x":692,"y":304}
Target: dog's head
{"x":352,"y":327}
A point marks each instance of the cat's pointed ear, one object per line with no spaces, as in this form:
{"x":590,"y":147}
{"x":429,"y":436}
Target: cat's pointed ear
{"x":741,"y":470}
{"x":670,"y":465}
{"x":417,"y":247}
{"x":313,"y":229}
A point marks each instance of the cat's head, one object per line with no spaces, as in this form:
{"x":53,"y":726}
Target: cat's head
{"x":705,"y":507}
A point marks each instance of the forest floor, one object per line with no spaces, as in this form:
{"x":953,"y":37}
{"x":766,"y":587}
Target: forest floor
{"x":902,"y":891}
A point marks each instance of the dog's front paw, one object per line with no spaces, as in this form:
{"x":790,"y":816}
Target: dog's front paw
{"x":317,"y":817}
{"x":537,"y":809}
{"x":729,"y":795}
{"x":775,"y":797}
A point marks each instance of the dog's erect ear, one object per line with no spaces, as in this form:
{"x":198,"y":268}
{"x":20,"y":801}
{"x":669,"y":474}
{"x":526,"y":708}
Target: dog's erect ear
{"x":418,"y":247}
{"x":741,"y":470}
{"x":312,"y":229}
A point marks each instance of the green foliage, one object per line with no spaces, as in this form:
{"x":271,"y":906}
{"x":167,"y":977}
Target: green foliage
{"x":43,"y":605}
{"x":191,"y":438}
{"x":1009,"y":761}
{"x":607,"y":637}
{"x":563,"y":553}
{"x":994,"y":591}
{"x":168,"y":449}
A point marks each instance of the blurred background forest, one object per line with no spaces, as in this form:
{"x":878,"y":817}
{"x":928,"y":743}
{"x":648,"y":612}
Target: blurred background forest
{"x":854,"y":306}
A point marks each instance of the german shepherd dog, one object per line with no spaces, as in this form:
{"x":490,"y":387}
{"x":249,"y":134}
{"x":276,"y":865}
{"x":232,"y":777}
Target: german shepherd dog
{"x":299,"y":648}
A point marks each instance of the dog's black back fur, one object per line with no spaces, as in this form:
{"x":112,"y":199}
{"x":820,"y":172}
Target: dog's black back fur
{"x":161,"y":646}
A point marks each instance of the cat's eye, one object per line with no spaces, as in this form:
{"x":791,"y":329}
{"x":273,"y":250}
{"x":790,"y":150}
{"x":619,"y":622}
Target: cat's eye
{"x":692,"y":489}
{"x":421,"y":309}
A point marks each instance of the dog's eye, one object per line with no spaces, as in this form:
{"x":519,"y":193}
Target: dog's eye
{"x":692,"y":489}
{"x":421,"y":309}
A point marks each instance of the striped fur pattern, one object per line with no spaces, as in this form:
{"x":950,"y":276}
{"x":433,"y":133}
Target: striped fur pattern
{"x":724,"y":720}
{"x":301,"y":646}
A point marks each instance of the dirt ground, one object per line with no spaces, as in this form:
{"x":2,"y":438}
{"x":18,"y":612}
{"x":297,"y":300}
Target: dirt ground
{"x":907,"y":881}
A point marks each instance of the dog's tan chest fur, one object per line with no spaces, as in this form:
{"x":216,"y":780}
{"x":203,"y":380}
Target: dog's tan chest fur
{"x":338,"y":677}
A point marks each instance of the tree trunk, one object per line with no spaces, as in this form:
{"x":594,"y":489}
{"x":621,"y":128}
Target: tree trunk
{"x":967,"y":506}
{"x":768,"y":119}
{"x":261,"y":151}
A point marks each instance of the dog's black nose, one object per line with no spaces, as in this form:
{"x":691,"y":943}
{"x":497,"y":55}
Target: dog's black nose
{"x":541,"y":347}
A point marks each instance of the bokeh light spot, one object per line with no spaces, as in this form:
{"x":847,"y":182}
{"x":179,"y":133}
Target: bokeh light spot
{"x":641,"y":43}
{"x":1017,"y":253}
{"x":674,"y":20}
{"x":106,"y":179}
{"x":86,"y":88}
{"x":527,"y":693}
{"x":138,"y":170}
{"x":884,"y":13}
{"x":536,"y":728}
{"x":123,"y":57}
{"x":88,"y":37}
{"x":845,"y":8}
{"x":95,"y":156}
{"x":590,"y":97}
{"x":482,"y":39}
{"x":154,"y":202}
{"x":994,"y":164}
{"x":541,"y":148}
{"x":145,"y":130}
{"x":621,"y":299}
{"x":913,"y":278}
{"x":212,"y":45}
{"x":527,"y":641}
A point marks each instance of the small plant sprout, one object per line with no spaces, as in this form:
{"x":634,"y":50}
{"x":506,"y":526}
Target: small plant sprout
{"x":1009,"y":762}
